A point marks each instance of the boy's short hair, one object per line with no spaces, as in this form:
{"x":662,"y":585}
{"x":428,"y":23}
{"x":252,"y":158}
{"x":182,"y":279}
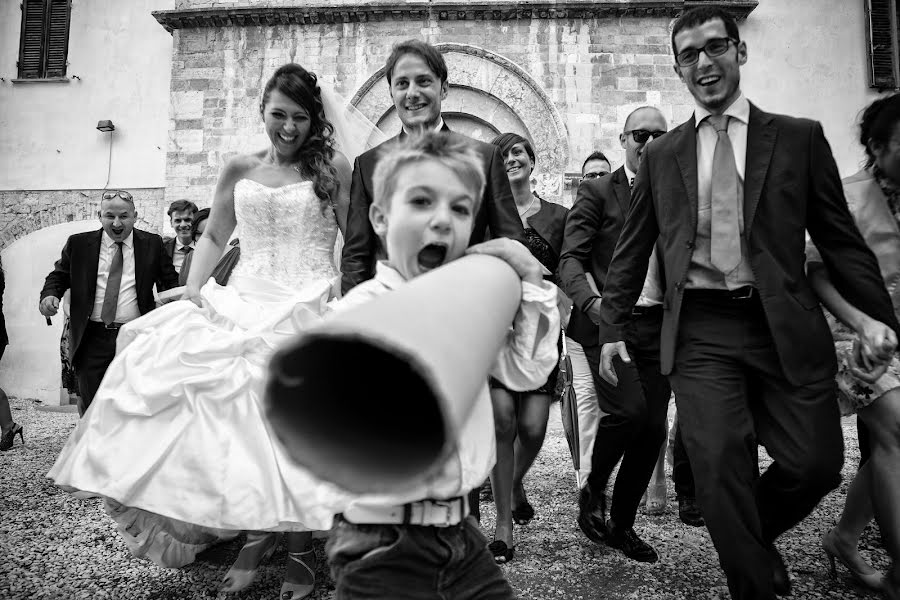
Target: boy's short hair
{"x":703,"y":14}
{"x":431,"y":55}
{"x":181,"y":206}
{"x":596,"y":155}
{"x":451,"y":151}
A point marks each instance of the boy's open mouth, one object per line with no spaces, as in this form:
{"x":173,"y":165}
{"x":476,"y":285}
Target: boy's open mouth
{"x":432,"y":256}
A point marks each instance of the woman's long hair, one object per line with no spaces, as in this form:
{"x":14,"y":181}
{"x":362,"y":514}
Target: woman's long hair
{"x":317,"y":152}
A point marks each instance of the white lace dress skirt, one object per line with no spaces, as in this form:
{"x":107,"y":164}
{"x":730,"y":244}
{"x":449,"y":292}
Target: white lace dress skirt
{"x":175,"y":439}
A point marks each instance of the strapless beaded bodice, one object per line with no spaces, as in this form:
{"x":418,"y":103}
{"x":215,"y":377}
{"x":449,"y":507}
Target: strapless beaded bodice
{"x":285,"y":236}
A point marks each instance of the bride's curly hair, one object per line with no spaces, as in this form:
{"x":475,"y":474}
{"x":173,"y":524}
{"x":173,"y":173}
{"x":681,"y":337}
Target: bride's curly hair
{"x":317,"y":152}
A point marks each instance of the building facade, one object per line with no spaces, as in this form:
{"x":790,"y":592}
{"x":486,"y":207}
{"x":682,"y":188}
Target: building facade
{"x":181,"y":81}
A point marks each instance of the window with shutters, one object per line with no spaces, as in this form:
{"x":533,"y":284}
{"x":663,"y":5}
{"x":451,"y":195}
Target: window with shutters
{"x":44,"y":42}
{"x":883,"y":38}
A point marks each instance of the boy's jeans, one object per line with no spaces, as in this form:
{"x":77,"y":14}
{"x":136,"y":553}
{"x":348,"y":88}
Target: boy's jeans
{"x":411,"y":562}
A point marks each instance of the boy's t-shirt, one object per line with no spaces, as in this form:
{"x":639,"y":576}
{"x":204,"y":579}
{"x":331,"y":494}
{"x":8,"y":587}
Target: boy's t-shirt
{"x":524,"y":364}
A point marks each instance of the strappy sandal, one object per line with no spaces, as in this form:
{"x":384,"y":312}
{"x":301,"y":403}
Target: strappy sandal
{"x":501,"y":552}
{"x":296,"y":591}
{"x":263,"y":543}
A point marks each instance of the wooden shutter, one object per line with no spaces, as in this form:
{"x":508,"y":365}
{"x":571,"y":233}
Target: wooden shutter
{"x":57,"y":38}
{"x":31,"y":43}
{"x":44,"y":42}
{"x":883,"y":46}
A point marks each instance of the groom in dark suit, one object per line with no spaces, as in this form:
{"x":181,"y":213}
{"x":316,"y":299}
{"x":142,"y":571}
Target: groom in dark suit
{"x":729,"y":196}
{"x":111,"y":273}
{"x":417,"y":77}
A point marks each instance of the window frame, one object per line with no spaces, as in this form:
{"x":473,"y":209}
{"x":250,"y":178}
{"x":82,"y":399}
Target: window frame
{"x":877,"y":78}
{"x":45,"y":68}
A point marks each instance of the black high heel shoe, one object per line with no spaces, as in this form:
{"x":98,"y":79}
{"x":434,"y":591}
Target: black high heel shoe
{"x":6,"y":442}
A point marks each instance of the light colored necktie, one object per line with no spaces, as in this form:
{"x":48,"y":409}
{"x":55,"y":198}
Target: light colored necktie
{"x":113,"y":282}
{"x":725,"y":234}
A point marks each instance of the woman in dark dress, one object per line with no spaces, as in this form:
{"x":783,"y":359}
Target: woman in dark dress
{"x":520,"y":418}
{"x":9,"y":427}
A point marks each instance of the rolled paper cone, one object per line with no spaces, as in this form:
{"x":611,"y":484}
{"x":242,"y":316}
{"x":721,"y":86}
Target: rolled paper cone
{"x":373,"y":398}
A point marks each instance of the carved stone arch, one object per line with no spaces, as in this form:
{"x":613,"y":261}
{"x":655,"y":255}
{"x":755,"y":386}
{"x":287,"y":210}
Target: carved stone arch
{"x":488,"y":94}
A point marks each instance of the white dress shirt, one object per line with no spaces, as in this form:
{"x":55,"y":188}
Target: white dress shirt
{"x":178,"y":255}
{"x":524,"y":363}
{"x":438,"y":127}
{"x":651,"y":293}
{"x":127,"y":307}
{"x":701,"y":273}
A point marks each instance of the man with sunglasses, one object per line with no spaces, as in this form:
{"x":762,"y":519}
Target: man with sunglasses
{"x":727,"y":198}
{"x":111,"y":273}
{"x":595,"y":165}
{"x":633,"y":426}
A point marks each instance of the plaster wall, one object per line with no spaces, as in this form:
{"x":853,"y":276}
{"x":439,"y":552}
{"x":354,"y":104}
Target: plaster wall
{"x":122,"y":59}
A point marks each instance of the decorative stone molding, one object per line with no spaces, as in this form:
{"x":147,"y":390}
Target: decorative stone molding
{"x":318,"y":12}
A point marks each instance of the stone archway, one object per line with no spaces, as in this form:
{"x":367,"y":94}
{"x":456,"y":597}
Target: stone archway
{"x":488,"y":94}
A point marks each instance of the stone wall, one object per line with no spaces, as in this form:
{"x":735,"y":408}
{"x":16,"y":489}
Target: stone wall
{"x":26,"y":211}
{"x":585,"y":75}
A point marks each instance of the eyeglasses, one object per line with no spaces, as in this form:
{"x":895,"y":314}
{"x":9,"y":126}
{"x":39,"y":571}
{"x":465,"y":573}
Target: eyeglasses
{"x":110,"y":194}
{"x":642,"y":135}
{"x":714,"y":47}
{"x":594,"y":175}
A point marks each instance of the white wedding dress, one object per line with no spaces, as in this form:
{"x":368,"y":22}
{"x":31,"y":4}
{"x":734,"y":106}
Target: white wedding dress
{"x":175,"y":439}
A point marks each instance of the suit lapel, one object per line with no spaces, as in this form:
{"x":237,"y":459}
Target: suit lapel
{"x":91,"y":265}
{"x":140,"y":252}
{"x":761,"y":134}
{"x":622,"y":189}
{"x":684,"y":146}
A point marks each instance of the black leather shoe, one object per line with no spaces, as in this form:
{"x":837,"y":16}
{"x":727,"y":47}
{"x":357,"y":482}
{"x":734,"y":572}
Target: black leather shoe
{"x":781,"y":581}
{"x":593,"y":527}
{"x":689,"y":512}
{"x":626,"y":540}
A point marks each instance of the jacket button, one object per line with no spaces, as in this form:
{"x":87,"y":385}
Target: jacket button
{"x":689,"y":244}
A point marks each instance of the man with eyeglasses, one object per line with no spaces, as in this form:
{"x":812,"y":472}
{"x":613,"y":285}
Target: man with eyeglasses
{"x":595,"y":165}
{"x":633,"y":426}
{"x":111,"y":273}
{"x":727,"y":198}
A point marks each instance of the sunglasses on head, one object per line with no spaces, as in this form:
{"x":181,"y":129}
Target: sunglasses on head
{"x":110,"y":194}
{"x":642,"y":135}
{"x":594,"y":175}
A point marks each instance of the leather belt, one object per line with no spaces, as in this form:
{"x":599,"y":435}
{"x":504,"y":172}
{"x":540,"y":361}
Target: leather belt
{"x":434,"y":513}
{"x":638,"y":311}
{"x":745,"y":292}
{"x":106,"y":326}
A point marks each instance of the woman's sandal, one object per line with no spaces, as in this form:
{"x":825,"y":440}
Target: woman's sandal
{"x":501,"y":552}
{"x":523,"y":514}
{"x":263,"y":546}
{"x":296,"y":591}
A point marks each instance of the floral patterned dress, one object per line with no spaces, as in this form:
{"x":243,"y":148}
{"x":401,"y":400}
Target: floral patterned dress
{"x":853,"y":393}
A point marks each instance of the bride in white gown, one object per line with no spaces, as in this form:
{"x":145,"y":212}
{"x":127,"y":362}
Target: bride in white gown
{"x":175,"y":440}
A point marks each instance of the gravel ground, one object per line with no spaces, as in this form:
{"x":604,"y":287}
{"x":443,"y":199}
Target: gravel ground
{"x":54,"y":546}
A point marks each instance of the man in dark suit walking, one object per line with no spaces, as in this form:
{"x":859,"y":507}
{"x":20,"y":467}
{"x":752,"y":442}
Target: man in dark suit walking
{"x":111,"y":273}
{"x":633,"y":426}
{"x":417,"y":77}
{"x":727,"y":197}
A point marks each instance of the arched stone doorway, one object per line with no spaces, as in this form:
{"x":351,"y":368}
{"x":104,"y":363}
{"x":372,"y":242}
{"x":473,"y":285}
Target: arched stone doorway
{"x":489,"y":94}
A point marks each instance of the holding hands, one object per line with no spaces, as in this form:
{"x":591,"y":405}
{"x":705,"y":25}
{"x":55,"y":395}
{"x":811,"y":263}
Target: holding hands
{"x":873,"y":349}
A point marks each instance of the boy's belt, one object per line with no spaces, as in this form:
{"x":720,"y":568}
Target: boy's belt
{"x":433,"y":513}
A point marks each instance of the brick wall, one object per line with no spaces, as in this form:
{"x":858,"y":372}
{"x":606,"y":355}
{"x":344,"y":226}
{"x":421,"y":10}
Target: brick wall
{"x":594,"y":71}
{"x":22,"y":212}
